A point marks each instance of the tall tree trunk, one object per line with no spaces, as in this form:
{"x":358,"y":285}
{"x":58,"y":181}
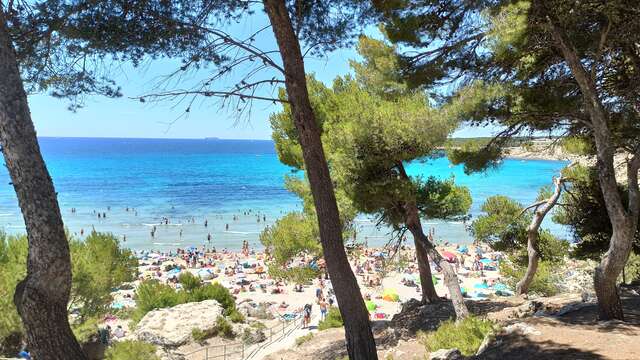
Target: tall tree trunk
{"x":41,"y":298}
{"x":623,"y":221}
{"x":360,"y":341}
{"x":542,"y":208}
{"x":450,"y":278}
{"x":429,"y":294}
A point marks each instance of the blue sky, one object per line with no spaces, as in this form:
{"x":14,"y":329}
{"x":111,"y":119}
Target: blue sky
{"x":126,"y":117}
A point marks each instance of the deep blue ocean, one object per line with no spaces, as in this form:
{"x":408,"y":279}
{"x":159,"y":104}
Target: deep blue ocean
{"x":141,"y":183}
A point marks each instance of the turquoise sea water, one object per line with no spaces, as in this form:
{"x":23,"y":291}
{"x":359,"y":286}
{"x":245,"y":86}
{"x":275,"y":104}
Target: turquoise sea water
{"x":190,"y":181}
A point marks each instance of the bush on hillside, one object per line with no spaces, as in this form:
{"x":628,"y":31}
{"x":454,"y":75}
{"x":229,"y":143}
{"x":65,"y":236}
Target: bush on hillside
{"x":98,"y":263}
{"x":131,"y":350}
{"x":466,"y":335}
{"x":152,"y":295}
{"x":189,"y":281}
{"x":236,"y":317}
{"x":303,"y":339}
{"x":333,"y":319}
{"x":544,"y":283}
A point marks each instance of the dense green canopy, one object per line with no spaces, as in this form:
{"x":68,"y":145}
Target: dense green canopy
{"x":585,"y":214}
{"x":99,"y":265}
{"x":373,"y":124}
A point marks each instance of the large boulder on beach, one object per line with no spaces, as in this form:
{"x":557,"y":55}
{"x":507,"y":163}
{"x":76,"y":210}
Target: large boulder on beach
{"x":172,"y":327}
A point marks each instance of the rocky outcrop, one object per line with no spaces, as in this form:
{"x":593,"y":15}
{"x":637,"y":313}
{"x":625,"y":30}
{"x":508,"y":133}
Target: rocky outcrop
{"x":171,"y":327}
{"x":256,"y":310}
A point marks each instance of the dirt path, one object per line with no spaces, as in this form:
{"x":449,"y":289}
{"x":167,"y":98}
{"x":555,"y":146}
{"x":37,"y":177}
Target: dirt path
{"x":575,"y":335}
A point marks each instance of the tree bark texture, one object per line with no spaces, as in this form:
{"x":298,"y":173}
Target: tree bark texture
{"x":359,"y":338}
{"x":533,"y":233}
{"x":450,"y":277}
{"x":623,"y":221}
{"x":429,"y":294}
{"x":41,"y":298}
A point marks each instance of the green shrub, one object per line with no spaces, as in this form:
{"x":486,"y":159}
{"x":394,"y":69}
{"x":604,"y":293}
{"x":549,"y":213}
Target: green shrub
{"x":631,"y":269}
{"x":577,"y":146}
{"x":131,"y":350}
{"x":189,"y":281}
{"x":303,"y":339}
{"x":466,"y":335}
{"x":544,"y":282}
{"x":221,"y":328}
{"x":98,"y":264}
{"x":236,"y":317}
{"x":333,"y":319}
{"x":258,"y":325}
{"x":224,"y":328}
{"x":13,"y":268}
{"x":200,"y":336}
{"x":151,"y":295}
{"x":213,"y":291}
{"x":87,"y":330}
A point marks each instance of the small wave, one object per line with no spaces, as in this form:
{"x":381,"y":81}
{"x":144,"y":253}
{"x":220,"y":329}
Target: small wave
{"x":242,"y":232}
{"x":166,"y":243}
{"x":454,"y":222}
{"x":7,"y":214}
{"x":151,"y":224}
{"x":432,"y":223}
{"x":15,"y":226}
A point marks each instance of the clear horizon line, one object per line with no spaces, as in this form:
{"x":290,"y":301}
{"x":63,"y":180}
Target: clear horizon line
{"x":181,"y":138}
{"x":146,"y":138}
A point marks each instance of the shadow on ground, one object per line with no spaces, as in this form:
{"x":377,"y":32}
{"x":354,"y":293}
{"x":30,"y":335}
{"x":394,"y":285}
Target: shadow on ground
{"x":517,"y":347}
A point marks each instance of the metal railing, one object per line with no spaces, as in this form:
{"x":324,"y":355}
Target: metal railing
{"x":233,"y":350}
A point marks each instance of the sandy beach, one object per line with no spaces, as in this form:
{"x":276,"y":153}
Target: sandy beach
{"x":386,"y":280}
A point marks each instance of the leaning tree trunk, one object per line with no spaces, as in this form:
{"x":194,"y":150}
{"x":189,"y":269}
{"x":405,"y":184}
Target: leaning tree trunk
{"x":624,"y":222}
{"x":541,"y":209}
{"x":429,"y":294}
{"x":450,"y":277}
{"x":414,"y":225}
{"x":360,"y":341}
{"x":41,"y":298}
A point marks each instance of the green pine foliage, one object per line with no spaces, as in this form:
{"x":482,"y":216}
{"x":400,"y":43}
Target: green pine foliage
{"x":545,"y":281}
{"x":151,"y":295}
{"x":466,"y":335}
{"x":332,"y":320}
{"x":131,"y":350}
{"x":99,"y":265}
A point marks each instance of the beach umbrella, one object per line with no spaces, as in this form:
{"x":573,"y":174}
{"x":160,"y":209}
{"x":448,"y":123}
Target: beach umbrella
{"x":449,"y":256}
{"x":463,"y":249}
{"x":390,"y":295}
{"x":371,"y":306}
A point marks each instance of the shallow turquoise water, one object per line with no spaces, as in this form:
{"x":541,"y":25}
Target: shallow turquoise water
{"x":215,"y":180}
